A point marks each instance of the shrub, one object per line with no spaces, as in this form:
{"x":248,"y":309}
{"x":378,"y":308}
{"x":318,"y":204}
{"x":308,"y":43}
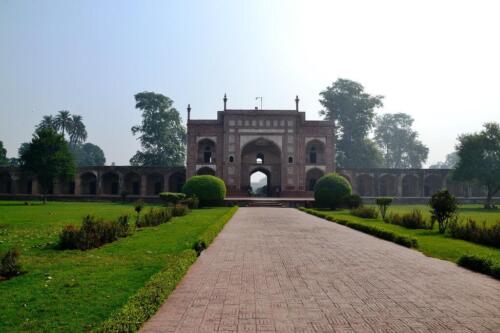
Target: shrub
{"x":444,"y":207}
{"x":476,"y":263}
{"x":9,"y":265}
{"x":172,"y":198}
{"x":154,"y":217}
{"x":210,"y":190}
{"x":383,"y":204}
{"x":365,"y":212}
{"x":354,"y":201}
{"x":472,"y":231}
{"x":331,"y":191}
{"x":199,"y":246}
{"x":93,"y":233}
{"x":192,"y":202}
{"x":412,"y":220}
{"x":179,"y":210}
{"x":138,"y":206}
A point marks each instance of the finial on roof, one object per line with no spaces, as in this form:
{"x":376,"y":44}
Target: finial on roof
{"x":189,"y":111}
{"x":297,"y":102}
{"x":225,"y":101}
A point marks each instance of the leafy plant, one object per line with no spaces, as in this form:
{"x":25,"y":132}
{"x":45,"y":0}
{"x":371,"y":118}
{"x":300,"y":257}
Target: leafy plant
{"x":172,"y":198}
{"x":354,"y":201}
{"x":331,"y":191}
{"x":210,"y":190}
{"x":412,"y":220}
{"x":199,"y":246}
{"x":154,"y":217}
{"x":9,"y":265}
{"x":472,"y":231}
{"x":365,"y":212}
{"x":138,"y":206}
{"x":383,"y":204}
{"x":444,"y":207}
{"x":179,"y":210}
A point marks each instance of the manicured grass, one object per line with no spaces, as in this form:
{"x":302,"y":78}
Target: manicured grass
{"x":476,"y":212}
{"x":430,"y":242}
{"x":75,"y":291}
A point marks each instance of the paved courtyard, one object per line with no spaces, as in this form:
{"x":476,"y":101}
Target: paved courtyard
{"x":281,"y":270}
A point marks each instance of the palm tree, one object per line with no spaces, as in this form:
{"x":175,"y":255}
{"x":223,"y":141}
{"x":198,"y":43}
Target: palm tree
{"x":77,"y":132}
{"x":63,"y":121}
{"x":47,"y":122}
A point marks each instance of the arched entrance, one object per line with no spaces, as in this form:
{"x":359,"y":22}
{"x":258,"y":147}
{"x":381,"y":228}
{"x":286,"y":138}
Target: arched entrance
{"x":260,"y":180}
{"x":265,"y":156}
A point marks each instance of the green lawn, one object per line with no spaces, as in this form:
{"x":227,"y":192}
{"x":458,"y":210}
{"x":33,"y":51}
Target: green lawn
{"x":476,"y":212}
{"x":74,"y":291}
{"x":430,"y":242}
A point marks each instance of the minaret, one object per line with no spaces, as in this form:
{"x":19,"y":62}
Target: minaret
{"x":189,"y":112}
{"x":225,"y":101}
{"x":297,"y":103}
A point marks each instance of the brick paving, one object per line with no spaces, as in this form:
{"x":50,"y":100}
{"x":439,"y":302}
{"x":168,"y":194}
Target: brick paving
{"x":281,"y":270}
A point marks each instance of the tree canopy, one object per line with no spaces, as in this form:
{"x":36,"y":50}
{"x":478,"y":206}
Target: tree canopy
{"x":3,"y":155}
{"x":353,"y":111}
{"x":66,"y":123}
{"x":479,"y":159}
{"x":88,"y":154}
{"x":161,"y":133}
{"x":399,"y":142}
{"x":48,"y":157}
{"x":449,"y":163}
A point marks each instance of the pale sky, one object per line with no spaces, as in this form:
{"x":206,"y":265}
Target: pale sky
{"x":439,"y":61}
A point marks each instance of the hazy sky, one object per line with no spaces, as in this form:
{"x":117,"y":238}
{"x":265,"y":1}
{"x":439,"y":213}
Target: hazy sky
{"x":436,"y":60}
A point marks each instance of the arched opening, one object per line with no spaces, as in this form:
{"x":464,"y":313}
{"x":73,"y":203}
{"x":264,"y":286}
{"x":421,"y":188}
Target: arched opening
{"x":262,"y":154}
{"x":410,"y":186}
{"x":154,"y":184}
{"x":290,"y":159}
{"x":312,"y":177}
{"x":65,"y":186}
{"x":176,"y":182}
{"x":259,"y":183}
{"x":205,"y":171}
{"x":88,"y":183}
{"x":206,"y":151}
{"x":387,"y":185}
{"x":5,"y":183}
{"x":315,"y":150}
{"x":132,"y":183}
{"x":110,"y":183}
{"x":365,"y":185}
{"x":432,"y":184}
{"x":231,"y":159}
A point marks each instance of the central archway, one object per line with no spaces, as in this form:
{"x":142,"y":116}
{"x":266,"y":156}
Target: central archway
{"x":260,"y":181}
{"x":261,"y":155}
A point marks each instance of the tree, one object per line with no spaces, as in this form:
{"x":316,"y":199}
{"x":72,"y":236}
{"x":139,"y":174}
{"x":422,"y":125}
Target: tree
{"x":3,"y":155}
{"x":353,"y":111}
{"x":88,"y":154}
{"x":162,"y":135}
{"x":402,"y":149}
{"x":47,"y":122}
{"x":367,"y":155}
{"x":48,"y":157}
{"x":479,"y":159}
{"x":76,"y":130}
{"x":63,"y":121}
{"x":449,"y":163}
{"x":444,"y":208}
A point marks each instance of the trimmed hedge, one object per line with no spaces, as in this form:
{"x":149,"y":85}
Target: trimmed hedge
{"x":331,"y":191}
{"x":365,"y":212}
{"x":144,"y":304}
{"x":480,"y":264}
{"x":374,"y":231}
{"x":172,"y":198}
{"x":210,"y":190}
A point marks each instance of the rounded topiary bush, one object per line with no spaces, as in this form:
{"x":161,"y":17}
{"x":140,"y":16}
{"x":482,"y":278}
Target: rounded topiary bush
{"x":210,"y":190}
{"x":331,"y":191}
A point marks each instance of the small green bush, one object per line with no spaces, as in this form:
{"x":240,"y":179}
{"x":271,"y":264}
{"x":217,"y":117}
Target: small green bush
{"x":354,"y":201}
{"x":412,"y":220}
{"x":476,"y":263}
{"x":199,"y":246}
{"x":179,"y":210}
{"x":365,"y":212}
{"x":210,"y":190}
{"x":331,"y":191}
{"x":472,"y":231}
{"x":172,"y":198}
{"x":444,"y":208}
{"x":154,"y":217}
{"x":9,"y":264}
{"x":192,"y":202}
{"x":383,"y":204}
{"x":93,"y":233}
{"x":138,"y":206}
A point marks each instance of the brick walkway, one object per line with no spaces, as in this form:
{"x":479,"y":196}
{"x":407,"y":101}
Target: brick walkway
{"x":280,"y":270}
